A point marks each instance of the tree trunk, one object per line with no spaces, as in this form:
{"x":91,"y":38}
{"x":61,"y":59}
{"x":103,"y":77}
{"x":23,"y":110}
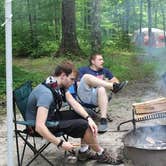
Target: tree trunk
{"x":69,"y":44}
{"x":30,"y":24}
{"x":125,"y":35}
{"x":95,"y":27}
{"x":150,"y":34}
{"x":57,"y":9}
{"x":155,"y":16}
{"x":164,"y":24}
{"x":140,"y":37}
{"x":127,"y":16}
{"x":86,"y":14}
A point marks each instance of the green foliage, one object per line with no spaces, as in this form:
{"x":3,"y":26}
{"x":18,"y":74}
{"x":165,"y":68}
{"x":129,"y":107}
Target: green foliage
{"x":37,"y":28}
{"x":48,"y":47}
{"x":83,"y":39}
{"x":120,"y":41}
{"x":126,"y":65}
{"x":44,"y":48}
{"x":20,"y":75}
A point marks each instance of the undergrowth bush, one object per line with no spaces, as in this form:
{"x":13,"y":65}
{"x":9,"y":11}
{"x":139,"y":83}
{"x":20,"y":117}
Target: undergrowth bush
{"x":20,"y":75}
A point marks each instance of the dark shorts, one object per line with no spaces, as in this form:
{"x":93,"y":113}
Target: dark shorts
{"x":70,"y":123}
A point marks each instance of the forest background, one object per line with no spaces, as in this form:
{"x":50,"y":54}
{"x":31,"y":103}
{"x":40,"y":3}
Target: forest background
{"x":45,"y":32}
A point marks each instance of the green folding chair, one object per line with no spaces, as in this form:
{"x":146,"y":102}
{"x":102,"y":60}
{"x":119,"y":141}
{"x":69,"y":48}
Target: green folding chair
{"x":20,"y":98}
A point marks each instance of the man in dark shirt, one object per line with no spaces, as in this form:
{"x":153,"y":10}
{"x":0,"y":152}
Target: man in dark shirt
{"x":95,"y":93}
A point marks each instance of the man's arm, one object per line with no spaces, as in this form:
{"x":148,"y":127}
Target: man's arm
{"x":75,"y":105}
{"x":42,"y":129}
{"x":81,"y":111}
{"x":114,"y":79}
{"x":110,"y":76}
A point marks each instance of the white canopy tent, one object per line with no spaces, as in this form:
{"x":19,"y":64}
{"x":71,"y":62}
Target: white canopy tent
{"x":9,"y":94}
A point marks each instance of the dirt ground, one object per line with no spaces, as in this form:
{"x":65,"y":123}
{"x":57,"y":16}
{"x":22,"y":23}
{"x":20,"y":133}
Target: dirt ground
{"x":120,"y":109}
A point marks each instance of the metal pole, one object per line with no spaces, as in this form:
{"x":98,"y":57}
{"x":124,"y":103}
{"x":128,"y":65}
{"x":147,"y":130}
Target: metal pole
{"x":9,"y":94}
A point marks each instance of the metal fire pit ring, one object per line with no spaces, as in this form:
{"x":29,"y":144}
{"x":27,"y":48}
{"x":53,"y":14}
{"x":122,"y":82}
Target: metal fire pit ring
{"x":146,"y":146}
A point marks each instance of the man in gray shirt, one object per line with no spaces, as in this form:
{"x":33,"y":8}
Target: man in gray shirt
{"x":44,"y":104}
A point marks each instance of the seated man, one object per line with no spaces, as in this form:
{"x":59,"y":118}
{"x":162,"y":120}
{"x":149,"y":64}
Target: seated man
{"x":44,"y":104}
{"x":93,"y":91}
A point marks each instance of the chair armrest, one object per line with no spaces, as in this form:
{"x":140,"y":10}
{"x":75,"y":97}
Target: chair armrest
{"x":32,"y":123}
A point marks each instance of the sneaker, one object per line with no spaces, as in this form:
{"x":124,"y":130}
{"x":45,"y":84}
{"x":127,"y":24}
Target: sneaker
{"x":103,"y":126}
{"x":118,"y":86}
{"x":87,"y":155}
{"x":105,"y":157}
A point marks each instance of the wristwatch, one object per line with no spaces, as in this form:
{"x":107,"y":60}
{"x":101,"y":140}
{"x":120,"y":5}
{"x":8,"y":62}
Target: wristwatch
{"x":87,"y":117}
{"x":60,"y":143}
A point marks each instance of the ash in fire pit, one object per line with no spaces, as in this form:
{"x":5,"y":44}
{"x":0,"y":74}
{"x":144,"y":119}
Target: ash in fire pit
{"x":155,"y":143}
{"x":146,"y":146}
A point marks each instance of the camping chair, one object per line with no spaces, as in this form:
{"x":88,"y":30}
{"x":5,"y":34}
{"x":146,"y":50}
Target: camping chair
{"x":20,"y":98}
{"x":90,"y":108}
{"x":152,"y":109}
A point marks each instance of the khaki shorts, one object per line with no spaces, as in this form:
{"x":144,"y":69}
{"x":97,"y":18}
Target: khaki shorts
{"x":87,"y":94}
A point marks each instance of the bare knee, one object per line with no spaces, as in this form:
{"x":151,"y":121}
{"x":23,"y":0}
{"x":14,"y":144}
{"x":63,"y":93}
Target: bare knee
{"x":88,"y":78}
{"x":101,"y":90}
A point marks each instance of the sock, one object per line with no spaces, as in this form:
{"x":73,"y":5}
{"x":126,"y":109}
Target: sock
{"x":100,"y":152}
{"x":84,"y":148}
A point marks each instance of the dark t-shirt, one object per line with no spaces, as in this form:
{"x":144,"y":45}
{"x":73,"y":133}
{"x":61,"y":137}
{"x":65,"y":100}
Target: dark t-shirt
{"x":40,"y":96}
{"x":102,"y":74}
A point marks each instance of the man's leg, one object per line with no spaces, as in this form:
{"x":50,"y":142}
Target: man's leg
{"x":78,"y":128}
{"x":102,"y":101}
{"x":95,"y":96}
{"x":91,"y":140}
{"x":102,"y":155}
{"x":93,"y":81}
{"x":103,"y":106}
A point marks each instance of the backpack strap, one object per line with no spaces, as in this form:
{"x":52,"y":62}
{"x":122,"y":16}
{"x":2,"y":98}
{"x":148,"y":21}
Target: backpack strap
{"x":58,"y":97}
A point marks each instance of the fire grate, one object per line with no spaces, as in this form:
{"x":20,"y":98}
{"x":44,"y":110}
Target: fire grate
{"x":152,"y":116}
{"x":152,"y":109}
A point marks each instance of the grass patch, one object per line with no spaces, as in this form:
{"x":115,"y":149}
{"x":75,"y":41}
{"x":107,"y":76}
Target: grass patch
{"x":124,"y":65}
{"x":20,"y":75}
{"x":127,"y":66}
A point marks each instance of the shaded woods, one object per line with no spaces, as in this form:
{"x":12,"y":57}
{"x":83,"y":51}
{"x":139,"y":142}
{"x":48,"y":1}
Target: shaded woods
{"x":79,"y":27}
{"x":76,"y":28}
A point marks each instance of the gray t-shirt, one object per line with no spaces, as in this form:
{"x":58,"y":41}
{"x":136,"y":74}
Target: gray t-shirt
{"x":40,"y":96}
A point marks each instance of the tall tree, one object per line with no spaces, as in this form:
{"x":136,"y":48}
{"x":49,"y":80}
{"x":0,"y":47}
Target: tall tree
{"x":126,"y":16}
{"x":86,"y":13}
{"x":69,"y":43}
{"x":150,"y":34}
{"x":139,"y":37}
{"x":95,"y":26}
{"x":57,"y":8}
{"x":155,"y":16}
{"x":164,"y":23}
{"x":32,"y":24}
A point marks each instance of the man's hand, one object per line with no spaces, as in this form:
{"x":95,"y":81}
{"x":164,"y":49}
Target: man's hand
{"x":92,"y":126}
{"x":67,"y":146}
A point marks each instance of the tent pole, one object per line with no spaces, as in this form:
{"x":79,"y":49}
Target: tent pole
{"x":9,"y":94}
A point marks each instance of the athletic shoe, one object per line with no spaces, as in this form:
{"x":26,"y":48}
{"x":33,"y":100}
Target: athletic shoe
{"x":118,"y":86}
{"x":87,"y":155}
{"x":103,"y":126}
{"x":105,"y":157}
